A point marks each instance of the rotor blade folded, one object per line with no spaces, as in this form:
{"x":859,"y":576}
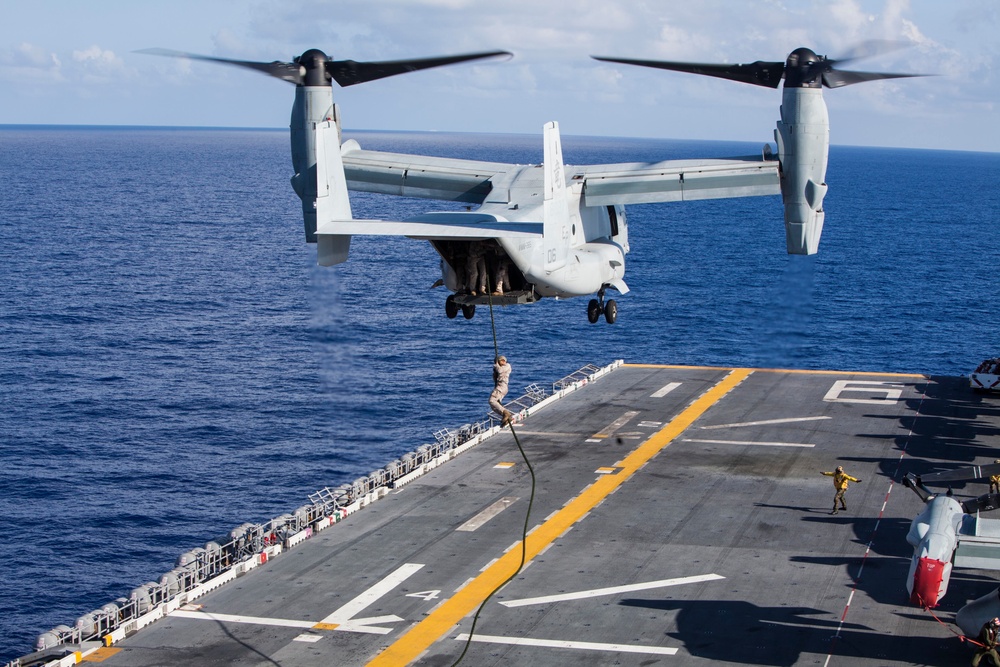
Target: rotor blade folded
{"x":350,"y":72}
{"x":759,"y":73}
{"x":968,"y":474}
{"x":984,"y":503}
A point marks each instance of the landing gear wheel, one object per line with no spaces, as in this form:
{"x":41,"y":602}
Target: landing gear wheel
{"x":450,"y":307}
{"x":611,"y":311}
{"x":469,"y":311}
{"x":593,"y":311}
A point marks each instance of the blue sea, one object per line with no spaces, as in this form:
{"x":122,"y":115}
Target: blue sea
{"x":173,"y":363}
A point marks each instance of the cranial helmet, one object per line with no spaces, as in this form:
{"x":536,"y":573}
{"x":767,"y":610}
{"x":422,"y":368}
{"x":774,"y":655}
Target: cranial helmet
{"x":840,"y":468}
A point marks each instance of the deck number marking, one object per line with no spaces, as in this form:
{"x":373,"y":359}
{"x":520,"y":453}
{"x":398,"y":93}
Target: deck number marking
{"x":425,"y":595}
{"x":892,"y":392}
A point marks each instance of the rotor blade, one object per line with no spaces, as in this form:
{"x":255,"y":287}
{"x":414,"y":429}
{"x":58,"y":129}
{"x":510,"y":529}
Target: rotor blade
{"x":290,"y":72}
{"x":349,"y":72}
{"x":984,"y":503}
{"x":840,"y":78}
{"x":961,"y":474}
{"x":870,"y":49}
{"x":758,"y":73}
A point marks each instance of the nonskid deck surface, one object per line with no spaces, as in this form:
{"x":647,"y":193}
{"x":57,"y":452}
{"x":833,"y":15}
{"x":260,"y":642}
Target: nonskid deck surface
{"x":679,"y":518}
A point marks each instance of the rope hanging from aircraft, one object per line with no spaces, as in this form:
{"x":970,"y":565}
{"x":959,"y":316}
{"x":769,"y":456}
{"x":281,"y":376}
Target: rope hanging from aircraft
{"x":531,"y":499}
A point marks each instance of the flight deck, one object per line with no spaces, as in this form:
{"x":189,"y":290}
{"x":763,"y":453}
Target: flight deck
{"x":678,"y":516}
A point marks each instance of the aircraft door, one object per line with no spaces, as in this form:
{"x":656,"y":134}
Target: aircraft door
{"x":619,"y":226}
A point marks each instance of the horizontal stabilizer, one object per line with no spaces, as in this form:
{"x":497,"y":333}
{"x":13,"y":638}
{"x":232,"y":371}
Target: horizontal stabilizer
{"x":442,"y":226}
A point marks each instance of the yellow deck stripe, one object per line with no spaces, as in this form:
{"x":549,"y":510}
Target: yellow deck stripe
{"x":100,"y":655}
{"x":422,"y":635}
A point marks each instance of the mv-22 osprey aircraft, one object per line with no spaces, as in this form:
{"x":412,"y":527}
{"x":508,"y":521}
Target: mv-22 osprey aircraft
{"x":549,"y":230}
{"x":950,"y":533}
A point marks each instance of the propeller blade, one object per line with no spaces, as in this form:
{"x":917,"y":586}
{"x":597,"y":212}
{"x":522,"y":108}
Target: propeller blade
{"x":840,"y":78}
{"x":759,"y":73}
{"x":349,"y":72}
{"x":870,"y":49}
{"x":961,"y":474}
{"x":290,"y":72}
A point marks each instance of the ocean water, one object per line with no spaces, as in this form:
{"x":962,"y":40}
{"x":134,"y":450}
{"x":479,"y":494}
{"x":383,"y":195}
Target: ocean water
{"x":173,"y":363}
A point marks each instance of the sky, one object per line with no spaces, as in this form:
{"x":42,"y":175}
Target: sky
{"x":72,"y":62}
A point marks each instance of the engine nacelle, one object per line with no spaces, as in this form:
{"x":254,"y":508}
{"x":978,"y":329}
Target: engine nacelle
{"x":319,"y":179}
{"x":803,"y":137}
{"x":934,"y":536}
{"x":972,"y":616}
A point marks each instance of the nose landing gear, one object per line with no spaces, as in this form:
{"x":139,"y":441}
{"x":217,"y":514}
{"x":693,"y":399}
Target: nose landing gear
{"x":598,"y":306}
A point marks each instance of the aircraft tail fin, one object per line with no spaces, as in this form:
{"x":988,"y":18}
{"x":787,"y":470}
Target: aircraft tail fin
{"x":333,"y":205}
{"x":555,"y":211}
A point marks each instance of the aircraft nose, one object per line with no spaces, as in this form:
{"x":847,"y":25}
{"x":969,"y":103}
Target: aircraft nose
{"x":927,"y":582}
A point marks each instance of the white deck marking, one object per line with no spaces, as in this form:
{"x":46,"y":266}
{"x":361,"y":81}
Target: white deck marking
{"x":366,"y":625}
{"x":891,"y":390}
{"x":312,"y":639}
{"x":750,"y":442}
{"x":487,"y":514}
{"x":610,"y":429}
{"x":789,"y":420}
{"x":614,"y":590}
{"x":234,"y":618}
{"x":344,"y":616}
{"x":559,"y":643}
{"x":664,"y":390}
{"x":551,"y":434}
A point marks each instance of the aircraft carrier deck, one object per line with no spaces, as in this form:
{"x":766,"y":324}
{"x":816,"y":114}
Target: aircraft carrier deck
{"x":679,"y":518}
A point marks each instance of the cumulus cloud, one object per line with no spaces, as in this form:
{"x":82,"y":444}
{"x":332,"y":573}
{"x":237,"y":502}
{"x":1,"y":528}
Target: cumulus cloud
{"x":29,"y":63}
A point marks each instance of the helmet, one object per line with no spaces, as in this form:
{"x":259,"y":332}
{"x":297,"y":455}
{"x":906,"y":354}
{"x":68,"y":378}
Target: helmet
{"x":840,"y":468}
{"x":995,"y":621}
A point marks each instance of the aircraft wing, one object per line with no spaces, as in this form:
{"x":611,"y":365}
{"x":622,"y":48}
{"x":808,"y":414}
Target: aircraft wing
{"x":427,"y":177}
{"x":470,"y":181}
{"x":676,"y":180}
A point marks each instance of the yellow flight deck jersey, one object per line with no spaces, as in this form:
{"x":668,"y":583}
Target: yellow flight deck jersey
{"x":840,"y":479}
